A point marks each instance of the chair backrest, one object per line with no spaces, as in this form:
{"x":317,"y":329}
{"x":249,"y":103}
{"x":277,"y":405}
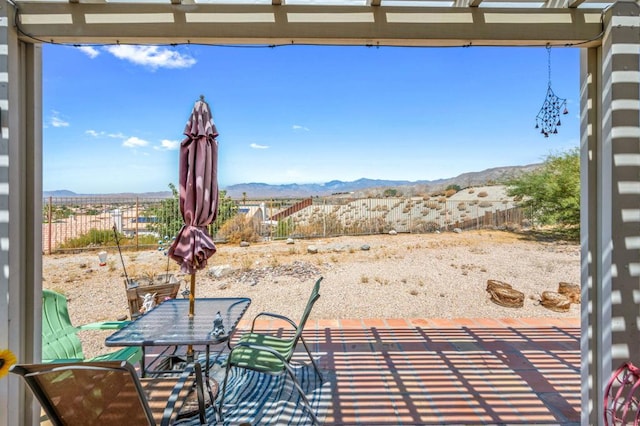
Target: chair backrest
{"x":59,"y":337}
{"x":315,"y":295}
{"x":88,"y":393}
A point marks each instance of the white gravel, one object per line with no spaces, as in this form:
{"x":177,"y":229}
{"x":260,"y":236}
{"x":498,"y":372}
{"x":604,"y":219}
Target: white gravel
{"x":400,"y":276}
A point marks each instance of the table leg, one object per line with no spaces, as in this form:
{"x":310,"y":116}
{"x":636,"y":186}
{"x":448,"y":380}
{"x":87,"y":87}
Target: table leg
{"x":143,"y":367}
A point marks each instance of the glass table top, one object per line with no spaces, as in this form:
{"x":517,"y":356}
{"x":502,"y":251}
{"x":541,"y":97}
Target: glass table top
{"x":169,"y":323}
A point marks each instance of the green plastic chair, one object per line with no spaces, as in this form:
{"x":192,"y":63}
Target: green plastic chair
{"x":60,"y":341}
{"x":270,"y":354}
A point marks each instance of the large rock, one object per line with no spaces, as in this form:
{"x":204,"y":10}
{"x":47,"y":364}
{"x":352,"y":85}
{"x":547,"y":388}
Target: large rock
{"x":219,"y":271}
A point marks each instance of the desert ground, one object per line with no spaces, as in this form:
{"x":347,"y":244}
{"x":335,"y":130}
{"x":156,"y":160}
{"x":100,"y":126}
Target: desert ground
{"x":439,"y":275}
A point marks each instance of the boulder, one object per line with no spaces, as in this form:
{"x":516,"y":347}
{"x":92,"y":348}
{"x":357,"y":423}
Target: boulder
{"x":219,"y":271}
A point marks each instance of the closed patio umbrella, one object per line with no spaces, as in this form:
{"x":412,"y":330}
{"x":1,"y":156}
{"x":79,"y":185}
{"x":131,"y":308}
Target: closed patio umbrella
{"x":198,"y":182}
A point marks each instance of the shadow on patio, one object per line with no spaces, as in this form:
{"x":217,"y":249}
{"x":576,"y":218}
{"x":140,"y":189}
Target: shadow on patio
{"x":465,"y":371}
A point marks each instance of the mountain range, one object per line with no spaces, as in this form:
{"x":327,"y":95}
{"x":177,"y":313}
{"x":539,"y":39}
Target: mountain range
{"x":358,"y":188}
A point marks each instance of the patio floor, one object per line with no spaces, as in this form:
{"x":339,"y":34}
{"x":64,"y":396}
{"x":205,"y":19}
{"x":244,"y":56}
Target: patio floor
{"x":441,"y":372}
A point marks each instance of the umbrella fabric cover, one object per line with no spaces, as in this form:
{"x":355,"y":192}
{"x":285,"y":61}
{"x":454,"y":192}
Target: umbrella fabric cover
{"x":198,"y":180}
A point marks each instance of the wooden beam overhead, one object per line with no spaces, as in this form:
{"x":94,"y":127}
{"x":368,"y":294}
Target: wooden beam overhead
{"x":184,"y":23}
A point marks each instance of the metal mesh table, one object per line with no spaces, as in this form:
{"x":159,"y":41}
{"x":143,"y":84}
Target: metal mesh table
{"x":169,"y":325}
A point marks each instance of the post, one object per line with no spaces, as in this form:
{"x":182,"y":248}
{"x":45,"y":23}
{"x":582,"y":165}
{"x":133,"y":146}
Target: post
{"x":50,"y":219}
{"x":137,"y":224}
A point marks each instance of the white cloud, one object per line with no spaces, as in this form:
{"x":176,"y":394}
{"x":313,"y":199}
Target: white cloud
{"x":117,"y":135}
{"x":56,"y":121}
{"x":167,"y":145}
{"x":298,"y":127}
{"x":90,"y":51}
{"x":256,"y":146}
{"x":153,"y":57}
{"x":93,"y":133}
{"x":134,"y":142}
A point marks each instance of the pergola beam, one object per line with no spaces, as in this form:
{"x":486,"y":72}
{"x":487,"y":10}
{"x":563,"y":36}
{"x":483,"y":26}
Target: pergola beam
{"x":268,"y":24}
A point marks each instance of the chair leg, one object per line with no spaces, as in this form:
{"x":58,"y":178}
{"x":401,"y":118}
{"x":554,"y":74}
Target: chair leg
{"x":301,"y":392}
{"x":315,"y":366}
{"x":224,"y":389}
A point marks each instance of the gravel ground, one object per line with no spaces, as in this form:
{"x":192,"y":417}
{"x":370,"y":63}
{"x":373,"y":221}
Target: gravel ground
{"x":383,"y":276}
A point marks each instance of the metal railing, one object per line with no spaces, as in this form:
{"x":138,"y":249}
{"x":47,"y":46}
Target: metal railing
{"x":85,"y":223}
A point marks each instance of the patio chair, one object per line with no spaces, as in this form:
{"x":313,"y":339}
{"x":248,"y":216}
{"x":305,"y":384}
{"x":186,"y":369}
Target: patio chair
{"x":106,"y":393}
{"x":270,"y":354}
{"x":60,"y":341}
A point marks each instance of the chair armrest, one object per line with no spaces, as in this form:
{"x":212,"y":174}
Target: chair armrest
{"x":105,"y":325}
{"x":278,"y":316}
{"x":253,"y":324}
{"x":66,"y":360}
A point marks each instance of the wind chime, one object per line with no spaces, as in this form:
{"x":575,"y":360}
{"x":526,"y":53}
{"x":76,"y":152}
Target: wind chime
{"x":548,"y":118}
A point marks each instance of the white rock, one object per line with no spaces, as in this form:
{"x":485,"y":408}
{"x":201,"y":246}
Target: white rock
{"x":220,"y":271}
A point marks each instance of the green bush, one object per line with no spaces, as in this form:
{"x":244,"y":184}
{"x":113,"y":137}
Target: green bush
{"x":95,"y":237}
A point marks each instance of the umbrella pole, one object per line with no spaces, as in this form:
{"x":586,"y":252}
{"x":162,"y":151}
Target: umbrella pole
{"x":192,"y":297}
{"x":192,"y":302}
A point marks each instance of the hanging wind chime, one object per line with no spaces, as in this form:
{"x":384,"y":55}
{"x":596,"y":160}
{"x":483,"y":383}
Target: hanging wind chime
{"x":548,"y":118}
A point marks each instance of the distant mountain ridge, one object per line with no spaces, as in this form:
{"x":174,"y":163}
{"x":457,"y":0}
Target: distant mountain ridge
{"x":358,"y":188}
{"x":366,"y":187}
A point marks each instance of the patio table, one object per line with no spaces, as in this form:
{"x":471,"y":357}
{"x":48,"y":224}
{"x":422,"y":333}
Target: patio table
{"x":168,"y":325}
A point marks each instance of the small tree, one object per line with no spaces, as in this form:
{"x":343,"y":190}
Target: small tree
{"x":168,"y":219}
{"x":552,"y":191}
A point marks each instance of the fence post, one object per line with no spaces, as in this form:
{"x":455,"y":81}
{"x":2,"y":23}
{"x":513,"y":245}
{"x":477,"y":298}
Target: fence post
{"x":137,"y":224}
{"x":49,"y":219}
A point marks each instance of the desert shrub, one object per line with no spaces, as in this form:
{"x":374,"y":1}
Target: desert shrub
{"x":432,"y":204}
{"x":424,"y":226}
{"x":57,"y":213}
{"x":462,"y":206}
{"x":483,"y":194}
{"x":238,"y":229}
{"x":449,"y":192}
{"x":94,"y":237}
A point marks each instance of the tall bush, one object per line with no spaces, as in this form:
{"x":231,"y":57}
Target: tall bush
{"x":552,"y":191}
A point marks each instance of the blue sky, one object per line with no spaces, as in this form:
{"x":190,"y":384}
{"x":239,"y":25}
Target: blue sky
{"x":114,"y":115}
